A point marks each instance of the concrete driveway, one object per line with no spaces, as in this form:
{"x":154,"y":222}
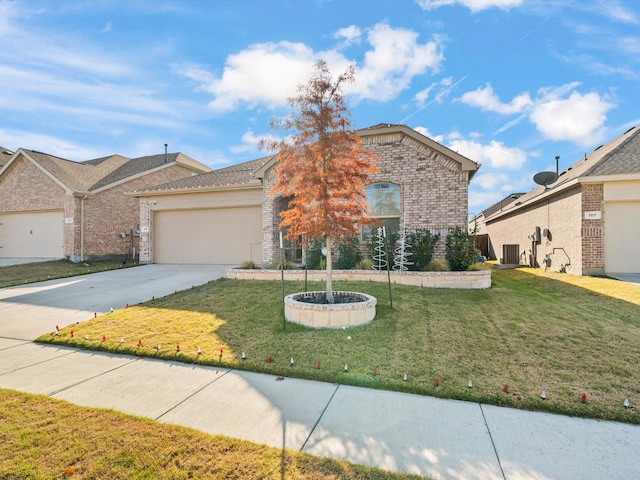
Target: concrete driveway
{"x":28,"y":311}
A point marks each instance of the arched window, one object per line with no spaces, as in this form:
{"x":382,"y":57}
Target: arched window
{"x":384,"y":205}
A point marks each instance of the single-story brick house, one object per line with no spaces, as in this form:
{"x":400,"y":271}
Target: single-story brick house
{"x":587,"y":222}
{"x":52,"y":207}
{"x":229,"y":216}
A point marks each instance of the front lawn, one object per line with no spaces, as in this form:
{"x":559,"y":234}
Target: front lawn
{"x":44,"y":438}
{"x":530,"y":332}
{"x":39,"y":271}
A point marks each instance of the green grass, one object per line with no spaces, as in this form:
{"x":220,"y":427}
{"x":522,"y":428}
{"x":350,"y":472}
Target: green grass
{"x":44,"y":438}
{"x":530,"y":331}
{"x":39,"y":271}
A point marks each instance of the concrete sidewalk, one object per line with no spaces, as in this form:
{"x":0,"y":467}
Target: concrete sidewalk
{"x":441,"y":439}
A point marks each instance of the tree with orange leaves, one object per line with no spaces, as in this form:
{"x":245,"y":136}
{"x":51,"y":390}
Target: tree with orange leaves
{"x":322,"y":167}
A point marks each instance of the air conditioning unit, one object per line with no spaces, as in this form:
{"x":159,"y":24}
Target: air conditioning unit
{"x":510,"y":254}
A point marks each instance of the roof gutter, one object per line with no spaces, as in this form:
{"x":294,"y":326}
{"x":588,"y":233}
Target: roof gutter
{"x":252,"y":185}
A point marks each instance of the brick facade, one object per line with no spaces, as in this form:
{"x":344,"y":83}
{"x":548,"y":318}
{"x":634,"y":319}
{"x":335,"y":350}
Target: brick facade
{"x":434,"y":189}
{"x":111,"y":212}
{"x":93,"y":221}
{"x":592,"y":230}
{"x":561,"y":215}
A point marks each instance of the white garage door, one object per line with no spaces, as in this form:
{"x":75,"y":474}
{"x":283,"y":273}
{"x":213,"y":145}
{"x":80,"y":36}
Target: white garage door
{"x":622,"y":237}
{"x":209,"y":236}
{"x":38,"y":234}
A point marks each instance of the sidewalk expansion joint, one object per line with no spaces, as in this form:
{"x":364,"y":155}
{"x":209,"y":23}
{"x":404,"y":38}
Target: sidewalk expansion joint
{"x":495,"y":450}
{"x":55,"y":392}
{"x":24,"y":342}
{"x":319,"y":418}
{"x":38,"y":363}
{"x":218,"y":377}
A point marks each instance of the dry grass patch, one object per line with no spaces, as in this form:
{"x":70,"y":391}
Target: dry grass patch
{"x":46,"y":439}
{"x":530,"y":332}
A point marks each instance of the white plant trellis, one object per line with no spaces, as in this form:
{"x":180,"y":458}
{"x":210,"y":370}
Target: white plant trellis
{"x":402,"y":252}
{"x":380,"y":255}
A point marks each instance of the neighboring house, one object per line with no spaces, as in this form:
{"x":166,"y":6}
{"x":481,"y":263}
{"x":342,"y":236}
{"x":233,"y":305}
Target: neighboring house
{"x":231,"y":216}
{"x":478,"y":225}
{"x":52,"y":207}
{"x":587,"y":222}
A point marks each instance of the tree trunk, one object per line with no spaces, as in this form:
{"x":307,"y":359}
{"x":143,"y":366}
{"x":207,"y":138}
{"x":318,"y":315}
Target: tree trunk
{"x":329,"y":287}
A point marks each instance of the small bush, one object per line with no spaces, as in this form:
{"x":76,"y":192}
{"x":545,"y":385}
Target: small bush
{"x":423,"y":244}
{"x":249,"y":265}
{"x":364,"y":264}
{"x":348,"y":253}
{"x":461,"y":251}
{"x":313,"y":254}
{"x":438,"y":265}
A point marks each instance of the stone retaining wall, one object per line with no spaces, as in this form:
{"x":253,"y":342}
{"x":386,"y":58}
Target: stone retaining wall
{"x":463,"y":280}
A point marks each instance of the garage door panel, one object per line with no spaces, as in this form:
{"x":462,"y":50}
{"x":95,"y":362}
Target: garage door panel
{"x":208,"y":236}
{"x":34,"y":234}
{"x":622,"y":227}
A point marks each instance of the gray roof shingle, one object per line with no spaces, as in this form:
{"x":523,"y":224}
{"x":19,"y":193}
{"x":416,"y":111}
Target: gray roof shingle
{"x":239,"y":174}
{"x":101,"y":172}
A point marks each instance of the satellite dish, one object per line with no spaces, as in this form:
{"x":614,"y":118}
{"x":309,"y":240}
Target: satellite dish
{"x":545,"y":178}
{"x":324,"y":251}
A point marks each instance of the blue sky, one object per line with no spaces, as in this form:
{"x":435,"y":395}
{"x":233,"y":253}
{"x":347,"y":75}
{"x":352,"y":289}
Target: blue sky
{"x":508,"y":83}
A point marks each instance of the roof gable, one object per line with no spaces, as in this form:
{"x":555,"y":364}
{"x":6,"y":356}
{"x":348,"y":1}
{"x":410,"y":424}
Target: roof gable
{"x":621,"y":156}
{"x":101,"y":173}
{"x":466,"y":165}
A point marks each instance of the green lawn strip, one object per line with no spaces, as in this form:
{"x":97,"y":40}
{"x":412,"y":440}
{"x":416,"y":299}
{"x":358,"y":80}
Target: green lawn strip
{"x":529,"y":332}
{"x":43,"y":438}
{"x":40,"y":271}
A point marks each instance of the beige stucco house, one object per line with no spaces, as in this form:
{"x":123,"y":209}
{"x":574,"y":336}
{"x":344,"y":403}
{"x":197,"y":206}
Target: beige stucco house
{"x":587,"y":222}
{"x":229,"y":215}
{"x":53,"y":207}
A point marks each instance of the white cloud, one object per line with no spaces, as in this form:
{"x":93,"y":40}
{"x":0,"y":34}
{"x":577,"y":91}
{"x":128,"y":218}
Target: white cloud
{"x":559,"y":113}
{"x":251,"y":141}
{"x":395,"y":59}
{"x":15,"y":139}
{"x":486,"y":99}
{"x":491,"y":181}
{"x":349,"y":35}
{"x":613,"y":10}
{"x":494,"y":154}
{"x":266,"y":73}
{"x":483,"y":199}
{"x":473,"y":5}
{"x":426,"y":133}
{"x":579,"y":118}
{"x":269,"y":73}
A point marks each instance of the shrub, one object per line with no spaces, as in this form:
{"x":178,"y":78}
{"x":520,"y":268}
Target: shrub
{"x":364,"y":264}
{"x":438,"y":265}
{"x":460,"y":249}
{"x":313,"y":254}
{"x":249,"y":265}
{"x":348,"y":253}
{"x":422,"y":243}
